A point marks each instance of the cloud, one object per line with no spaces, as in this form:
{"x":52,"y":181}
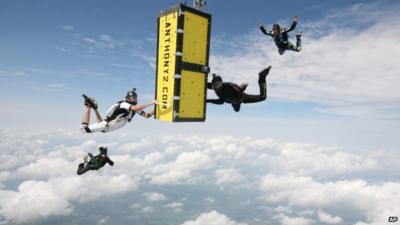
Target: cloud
{"x":118,"y":65}
{"x":28,"y":203}
{"x":58,"y":193}
{"x":326,"y":218}
{"x":375,"y":201}
{"x":293,"y":180}
{"x":154,"y":196}
{"x":295,"y":220}
{"x":342,"y":68}
{"x":180,"y":170}
{"x":68,"y":27}
{"x":52,"y":87}
{"x":102,"y":42}
{"x":228,"y":177}
{"x":46,"y":168}
{"x":14,"y":73}
{"x":90,"y":73}
{"x":212,"y":218}
{"x":176,"y":206}
{"x":148,"y":209}
{"x":209,"y":199}
{"x":103,"y":220}
{"x":4,"y":176}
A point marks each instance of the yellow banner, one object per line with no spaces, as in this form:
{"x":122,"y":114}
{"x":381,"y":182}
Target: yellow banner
{"x":166,"y":65}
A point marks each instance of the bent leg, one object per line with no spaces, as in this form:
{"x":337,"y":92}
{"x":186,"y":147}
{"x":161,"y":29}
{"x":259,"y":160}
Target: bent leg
{"x":82,"y":169}
{"x":98,"y":117}
{"x":292,"y":47}
{"x":86,"y":116}
{"x":96,"y":127}
{"x":298,"y":42}
{"x":262,"y":83}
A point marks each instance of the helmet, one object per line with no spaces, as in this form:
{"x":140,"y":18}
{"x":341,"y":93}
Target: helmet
{"x":216,"y":78}
{"x":216,"y":81}
{"x":130,"y":94}
{"x":103,"y":150}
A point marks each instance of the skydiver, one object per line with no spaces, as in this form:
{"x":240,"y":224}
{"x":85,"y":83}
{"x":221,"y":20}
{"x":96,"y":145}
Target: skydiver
{"x":117,"y":116}
{"x":280,"y":36}
{"x":234,"y":94}
{"x":94,"y":162}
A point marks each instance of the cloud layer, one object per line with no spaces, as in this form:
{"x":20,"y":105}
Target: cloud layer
{"x":285,"y":183}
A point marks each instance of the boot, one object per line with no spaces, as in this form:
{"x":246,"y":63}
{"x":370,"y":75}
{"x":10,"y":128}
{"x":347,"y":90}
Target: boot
{"x":90,"y":102}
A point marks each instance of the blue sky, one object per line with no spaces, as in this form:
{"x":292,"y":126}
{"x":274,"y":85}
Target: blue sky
{"x":321,"y":150}
{"x":51,"y":52}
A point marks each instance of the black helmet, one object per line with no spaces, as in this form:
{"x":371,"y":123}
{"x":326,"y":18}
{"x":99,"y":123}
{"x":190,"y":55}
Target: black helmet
{"x":103,"y":150}
{"x":216,"y":78}
{"x":216,"y":81}
{"x":130,"y":94}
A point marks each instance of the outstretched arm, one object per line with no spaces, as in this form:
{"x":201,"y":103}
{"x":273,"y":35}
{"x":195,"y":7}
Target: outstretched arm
{"x":216,"y":101}
{"x":264,"y":31}
{"x":146,"y":114}
{"x":109,"y":161}
{"x":294,"y":23}
{"x":209,"y":85}
{"x":141,"y":107}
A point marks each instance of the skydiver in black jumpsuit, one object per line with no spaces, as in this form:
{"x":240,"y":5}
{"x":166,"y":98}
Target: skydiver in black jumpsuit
{"x":234,"y":94}
{"x":280,"y":36}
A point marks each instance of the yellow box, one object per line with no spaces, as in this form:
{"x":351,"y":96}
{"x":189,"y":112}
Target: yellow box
{"x":183,"y":46}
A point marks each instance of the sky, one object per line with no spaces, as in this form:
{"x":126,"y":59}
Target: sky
{"x":321,"y":149}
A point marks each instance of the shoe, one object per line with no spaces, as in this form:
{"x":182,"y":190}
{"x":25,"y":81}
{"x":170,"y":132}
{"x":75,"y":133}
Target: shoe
{"x":243,"y":86}
{"x":265,"y":71}
{"x":90,"y":102}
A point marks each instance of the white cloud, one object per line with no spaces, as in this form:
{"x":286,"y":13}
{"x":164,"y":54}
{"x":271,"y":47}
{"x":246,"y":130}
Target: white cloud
{"x":39,"y":199}
{"x":303,"y":178}
{"x":14,"y":73}
{"x":154,"y":196}
{"x":34,"y":200}
{"x":212,"y":218}
{"x":90,"y":73}
{"x":342,"y":68}
{"x":176,"y":206}
{"x":209,"y":199}
{"x":148,"y":209}
{"x":180,"y":170}
{"x":110,"y":42}
{"x":68,"y":27}
{"x":51,"y":87}
{"x":375,"y":201}
{"x":103,"y":220}
{"x":101,"y":42}
{"x":327,"y":218}
{"x":46,"y":168}
{"x":295,"y":220}
{"x":4,"y":176}
{"x":228,"y":177}
{"x":128,"y":66}
{"x":361,"y":223}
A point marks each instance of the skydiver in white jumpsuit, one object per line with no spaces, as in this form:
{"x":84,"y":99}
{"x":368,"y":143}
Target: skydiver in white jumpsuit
{"x":118,"y":115}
